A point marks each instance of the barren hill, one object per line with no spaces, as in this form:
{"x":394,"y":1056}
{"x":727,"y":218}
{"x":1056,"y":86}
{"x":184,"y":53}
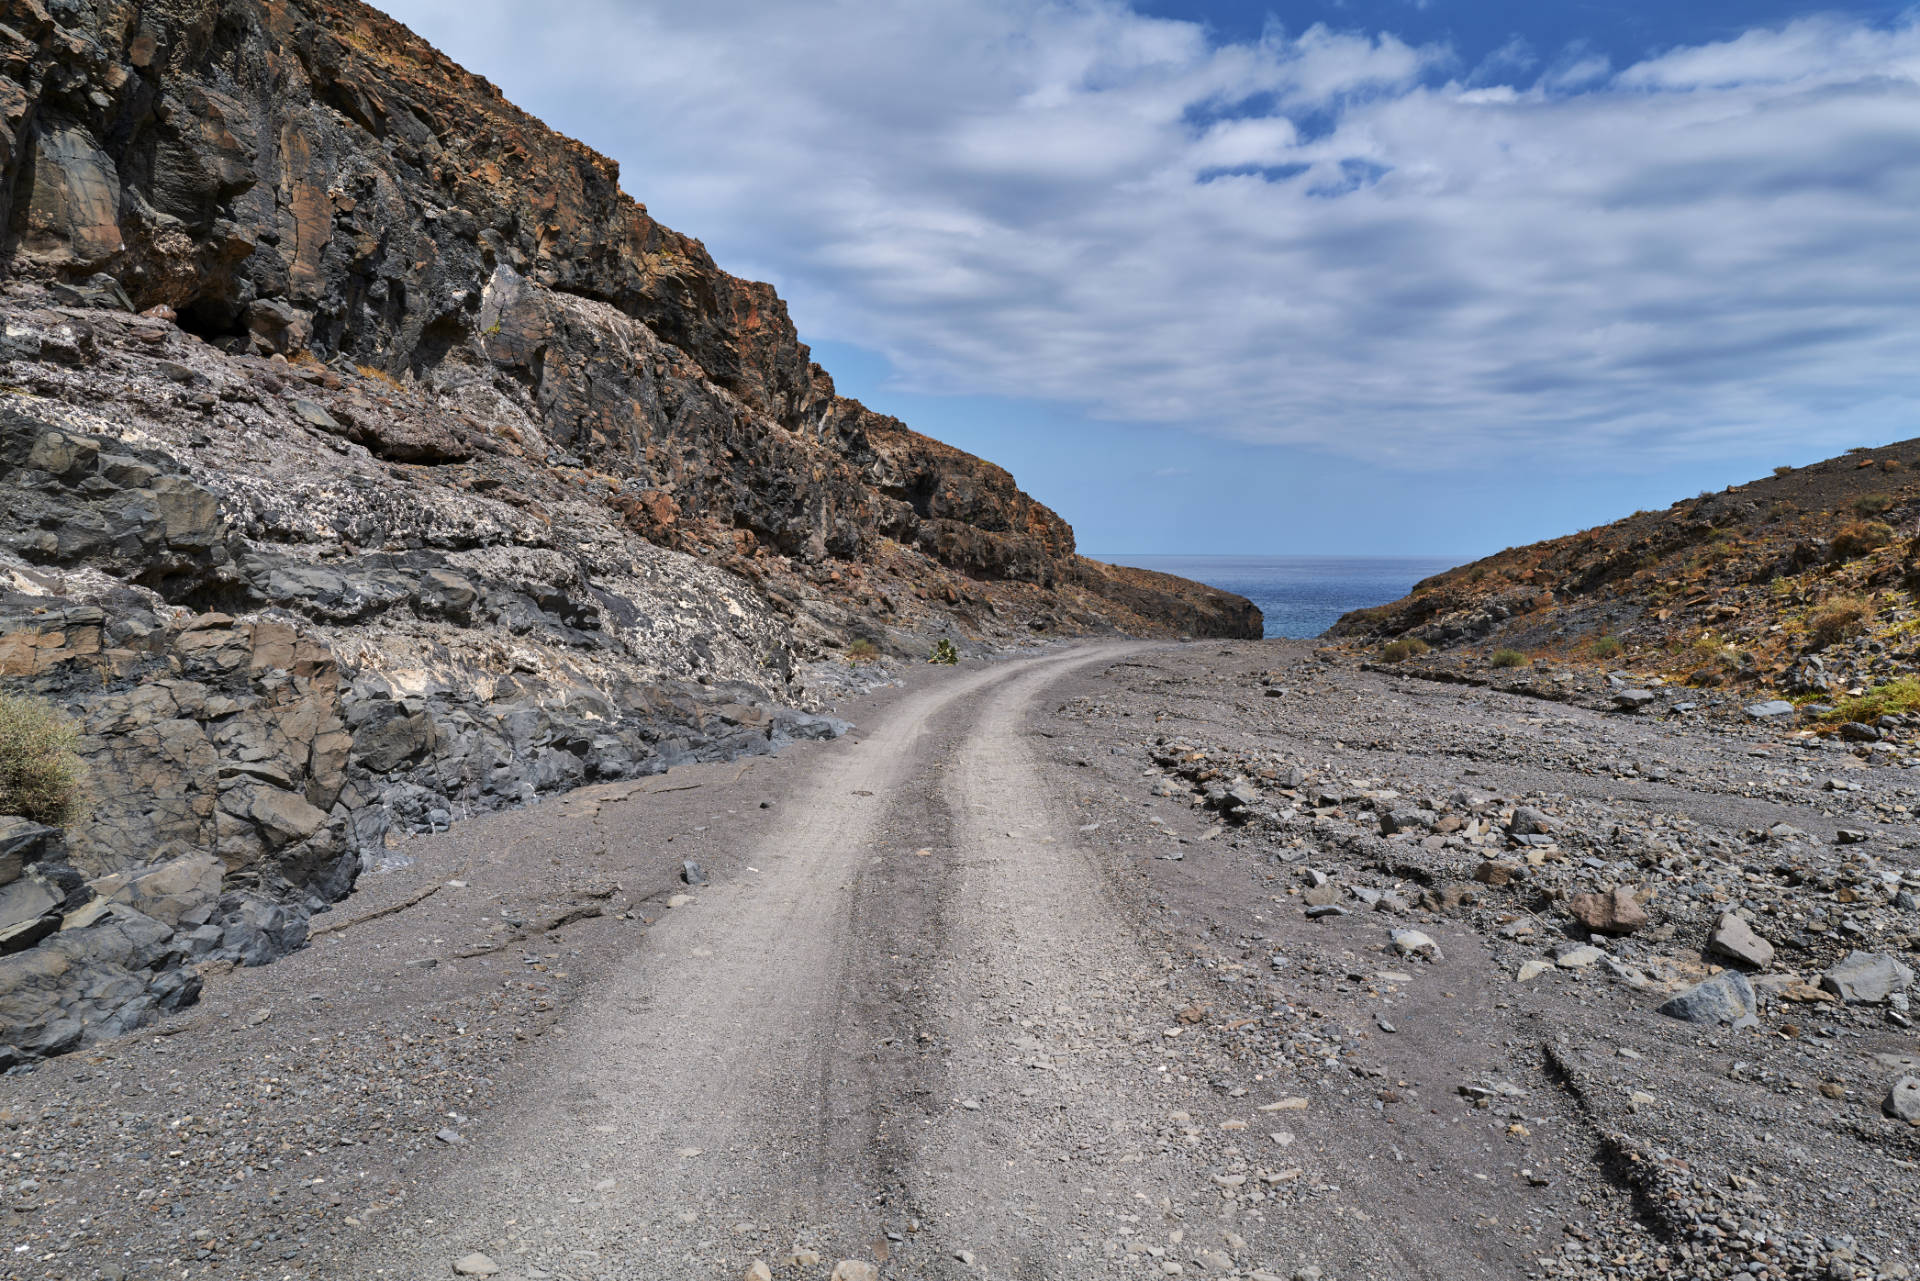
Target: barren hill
{"x":1799,"y":584}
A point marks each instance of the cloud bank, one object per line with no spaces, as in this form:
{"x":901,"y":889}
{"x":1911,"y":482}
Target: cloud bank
{"x":1318,"y":238}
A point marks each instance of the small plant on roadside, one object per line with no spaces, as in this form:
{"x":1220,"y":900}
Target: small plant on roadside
{"x":1406,"y":647}
{"x":1507,"y":658}
{"x":944,"y":653}
{"x":1838,"y":620}
{"x":1606,"y":647}
{"x":863,"y":651}
{"x":40,"y":776}
{"x":1896,"y":696}
{"x":1859,"y":537}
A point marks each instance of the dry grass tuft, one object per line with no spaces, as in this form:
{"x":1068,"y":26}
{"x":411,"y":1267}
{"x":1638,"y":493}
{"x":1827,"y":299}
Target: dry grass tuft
{"x":40,"y":777}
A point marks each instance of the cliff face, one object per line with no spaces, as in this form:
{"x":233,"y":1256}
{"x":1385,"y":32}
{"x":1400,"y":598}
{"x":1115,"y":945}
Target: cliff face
{"x":370,"y":460}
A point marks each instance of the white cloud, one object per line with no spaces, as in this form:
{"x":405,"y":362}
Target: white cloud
{"x":1320,"y":237}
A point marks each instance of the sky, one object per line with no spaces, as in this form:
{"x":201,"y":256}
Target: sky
{"x":1427,"y":277}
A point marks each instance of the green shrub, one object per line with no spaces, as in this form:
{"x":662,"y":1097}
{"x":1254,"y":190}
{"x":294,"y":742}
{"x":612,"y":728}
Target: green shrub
{"x":40,"y":776}
{"x":1859,"y":537}
{"x":1606,"y":647}
{"x":1508,"y":658}
{"x":944,"y":653}
{"x":1839,"y":619}
{"x":1902,"y":695}
{"x":1406,"y":647}
{"x":1872,"y":504}
{"x":863,"y":651}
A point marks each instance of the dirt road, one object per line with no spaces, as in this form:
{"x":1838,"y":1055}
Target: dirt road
{"x":1007,"y":985}
{"x":775,"y":1073}
{"x":917,"y":1030}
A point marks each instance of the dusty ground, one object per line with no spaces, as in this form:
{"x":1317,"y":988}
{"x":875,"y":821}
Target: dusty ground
{"x":1004,"y":985}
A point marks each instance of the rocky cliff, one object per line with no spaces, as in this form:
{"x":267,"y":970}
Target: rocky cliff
{"x":370,"y":459}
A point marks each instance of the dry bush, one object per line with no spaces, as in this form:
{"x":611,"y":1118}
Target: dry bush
{"x":40,"y":776}
{"x":1404,"y":648}
{"x":379,"y":375}
{"x":1859,"y":537}
{"x":862,"y":651}
{"x":1606,"y":647}
{"x":1839,"y":619}
{"x":1872,"y":504}
{"x":1507,"y":658}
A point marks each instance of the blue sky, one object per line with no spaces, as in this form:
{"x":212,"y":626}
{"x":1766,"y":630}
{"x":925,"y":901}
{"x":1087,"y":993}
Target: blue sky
{"x":1372,"y":276}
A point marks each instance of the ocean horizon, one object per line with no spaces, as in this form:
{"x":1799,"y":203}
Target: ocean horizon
{"x":1299,"y":596}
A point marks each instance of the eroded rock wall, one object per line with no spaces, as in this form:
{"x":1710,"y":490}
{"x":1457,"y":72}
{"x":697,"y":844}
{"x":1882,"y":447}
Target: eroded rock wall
{"x":369,"y":459}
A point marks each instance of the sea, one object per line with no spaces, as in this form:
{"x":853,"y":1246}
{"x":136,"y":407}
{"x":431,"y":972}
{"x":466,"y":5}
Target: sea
{"x":1300,"y":596}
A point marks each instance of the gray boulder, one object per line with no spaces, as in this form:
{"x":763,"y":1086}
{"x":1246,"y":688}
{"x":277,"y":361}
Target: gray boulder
{"x":1528,"y":821}
{"x":1903,"y":1101}
{"x":1402,"y":820}
{"x":1866,"y":978}
{"x":1724,"y":998}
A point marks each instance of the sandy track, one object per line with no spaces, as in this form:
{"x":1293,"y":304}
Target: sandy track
{"x":716,"y":1101}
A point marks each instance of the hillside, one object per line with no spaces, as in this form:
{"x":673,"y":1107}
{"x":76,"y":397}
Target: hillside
{"x":1799,"y":584}
{"x":374,"y":461}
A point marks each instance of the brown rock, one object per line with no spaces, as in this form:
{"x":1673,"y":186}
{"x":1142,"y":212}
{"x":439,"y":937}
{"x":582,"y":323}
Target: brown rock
{"x":1617,"y":911}
{"x":1321,"y":895}
{"x":1495,"y":873}
{"x":72,"y":210}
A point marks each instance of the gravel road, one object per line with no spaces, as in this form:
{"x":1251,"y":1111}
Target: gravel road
{"x":1007,"y":985}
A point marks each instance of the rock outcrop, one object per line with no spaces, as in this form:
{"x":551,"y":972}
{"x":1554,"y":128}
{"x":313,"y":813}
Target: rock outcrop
{"x":372,"y":460}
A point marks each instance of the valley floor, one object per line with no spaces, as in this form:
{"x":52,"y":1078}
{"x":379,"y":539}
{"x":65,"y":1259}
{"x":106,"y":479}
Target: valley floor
{"x":1094,"y":962}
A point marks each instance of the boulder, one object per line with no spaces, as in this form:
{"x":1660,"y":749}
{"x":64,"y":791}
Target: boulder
{"x":1405,"y":819}
{"x":1415,"y":943}
{"x":1724,"y":998}
{"x":1903,"y":1100}
{"x":1615,"y":911}
{"x":1734,"y":939}
{"x":1528,"y":821}
{"x":1632,"y":700}
{"x":1773,"y":709}
{"x":1866,"y":978}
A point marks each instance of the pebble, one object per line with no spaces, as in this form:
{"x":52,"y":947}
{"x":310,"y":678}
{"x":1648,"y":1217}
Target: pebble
{"x":475,"y":1265}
